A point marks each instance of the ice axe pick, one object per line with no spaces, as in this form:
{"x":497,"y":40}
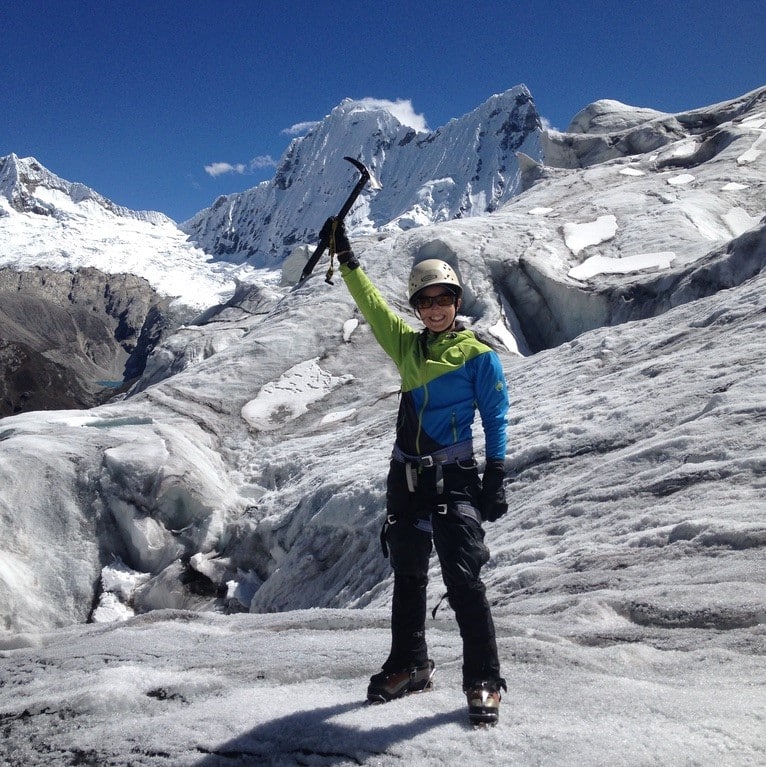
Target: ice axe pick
{"x":325,"y":240}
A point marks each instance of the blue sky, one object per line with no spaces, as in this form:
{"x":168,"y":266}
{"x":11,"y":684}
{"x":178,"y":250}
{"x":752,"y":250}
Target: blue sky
{"x":137,"y":98}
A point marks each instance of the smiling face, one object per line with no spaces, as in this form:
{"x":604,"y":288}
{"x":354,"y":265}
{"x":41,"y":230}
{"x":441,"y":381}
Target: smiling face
{"x":438,"y":318}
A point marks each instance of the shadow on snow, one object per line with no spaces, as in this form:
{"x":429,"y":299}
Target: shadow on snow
{"x":311,"y":737}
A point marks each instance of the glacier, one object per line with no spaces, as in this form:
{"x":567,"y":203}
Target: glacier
{"x":191,"y":575}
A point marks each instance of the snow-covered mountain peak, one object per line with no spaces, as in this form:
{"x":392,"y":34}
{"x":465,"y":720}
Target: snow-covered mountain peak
{"x":466,"y":168}
{"x":26,"y":186}
{"x":507,"y":100}
{"x":48,"y":222}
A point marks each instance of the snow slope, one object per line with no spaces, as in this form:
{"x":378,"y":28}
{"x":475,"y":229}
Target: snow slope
{"x":47,"y":221}
{"x":246,"y":472}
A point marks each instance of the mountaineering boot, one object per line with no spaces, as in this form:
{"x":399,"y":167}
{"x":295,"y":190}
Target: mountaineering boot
{"x":387,"y":685}
{"x":484,"y":702}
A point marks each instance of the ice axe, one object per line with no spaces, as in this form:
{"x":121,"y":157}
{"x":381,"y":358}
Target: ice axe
{"x":324,"y":242}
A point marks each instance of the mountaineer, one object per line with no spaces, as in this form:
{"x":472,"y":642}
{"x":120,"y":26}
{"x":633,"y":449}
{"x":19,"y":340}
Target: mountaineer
{"x":435,"y":497}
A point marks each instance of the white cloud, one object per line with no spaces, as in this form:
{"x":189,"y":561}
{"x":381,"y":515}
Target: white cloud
{"x":402,"y":109}
{"x":262,"y":161}
{"x":546,"y":124}
{"x":215,"y":169}
{"x":219,"y":168}
{"x":300,"y":128}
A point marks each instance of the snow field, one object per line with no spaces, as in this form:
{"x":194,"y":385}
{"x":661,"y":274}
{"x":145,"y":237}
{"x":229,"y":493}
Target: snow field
{"x":290,"y":688}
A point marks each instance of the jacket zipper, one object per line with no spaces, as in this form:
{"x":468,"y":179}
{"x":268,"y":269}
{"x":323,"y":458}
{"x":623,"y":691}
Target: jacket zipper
{"x":420,"y":418}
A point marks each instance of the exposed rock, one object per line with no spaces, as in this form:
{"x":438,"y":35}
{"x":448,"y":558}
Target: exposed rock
{"x":70,"y":339}
{"x":30,"y":381}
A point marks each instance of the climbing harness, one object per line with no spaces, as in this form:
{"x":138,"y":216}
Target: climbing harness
{"x":414,"y":465}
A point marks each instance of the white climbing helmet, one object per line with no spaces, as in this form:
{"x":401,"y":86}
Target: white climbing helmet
{"x":433,"y":271}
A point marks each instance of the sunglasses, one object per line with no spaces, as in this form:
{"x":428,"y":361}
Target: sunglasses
{"x":426,"y":302}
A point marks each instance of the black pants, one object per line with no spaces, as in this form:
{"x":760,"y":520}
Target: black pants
{"x":448,"y":521}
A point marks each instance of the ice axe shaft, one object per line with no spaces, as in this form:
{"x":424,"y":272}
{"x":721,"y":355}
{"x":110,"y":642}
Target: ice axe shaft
{"x":325,"y":241}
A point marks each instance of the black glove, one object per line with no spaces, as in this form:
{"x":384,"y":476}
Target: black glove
{"x":342,"y":245}
{"x":492,"y":503}
{"x":326,"y":231}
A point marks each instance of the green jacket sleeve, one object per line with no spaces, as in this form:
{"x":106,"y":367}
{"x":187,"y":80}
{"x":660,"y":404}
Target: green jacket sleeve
{"x":393,"y":334}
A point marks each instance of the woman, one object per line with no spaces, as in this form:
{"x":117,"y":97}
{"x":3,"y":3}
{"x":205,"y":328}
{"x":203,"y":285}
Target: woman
{"x":434,"y":496}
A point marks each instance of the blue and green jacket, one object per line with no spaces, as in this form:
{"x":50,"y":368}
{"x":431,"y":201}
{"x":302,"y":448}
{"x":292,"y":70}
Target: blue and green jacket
{"x":445,"y":378}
